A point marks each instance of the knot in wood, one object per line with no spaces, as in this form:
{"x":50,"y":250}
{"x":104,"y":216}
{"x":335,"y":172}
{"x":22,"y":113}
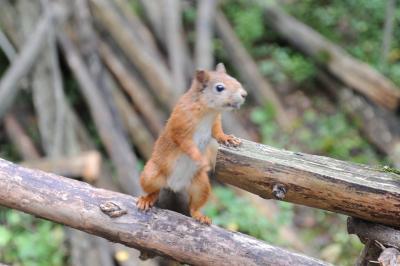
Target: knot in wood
{"x":279,"y":191}
{"x":112,"y":209}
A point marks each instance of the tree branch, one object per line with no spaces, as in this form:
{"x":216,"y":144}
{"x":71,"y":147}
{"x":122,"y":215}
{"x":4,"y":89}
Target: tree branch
{"x":320,"y":182}
{"x":114,"y":216}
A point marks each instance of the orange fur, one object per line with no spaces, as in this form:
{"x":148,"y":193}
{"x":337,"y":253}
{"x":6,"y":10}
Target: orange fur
{"x":184,"y":136}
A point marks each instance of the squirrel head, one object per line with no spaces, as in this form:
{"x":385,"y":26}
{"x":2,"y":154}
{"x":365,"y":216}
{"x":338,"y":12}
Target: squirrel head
{"x":218,"y":90}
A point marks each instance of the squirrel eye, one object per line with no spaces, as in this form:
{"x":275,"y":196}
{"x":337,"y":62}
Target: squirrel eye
{"x":219,"y":87}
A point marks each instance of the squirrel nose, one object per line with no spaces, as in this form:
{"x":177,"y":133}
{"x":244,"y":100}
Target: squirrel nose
{"x":244,"y":94}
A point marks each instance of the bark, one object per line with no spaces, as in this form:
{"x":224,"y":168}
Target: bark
{"x":114,"y":216}
{"x":258,"y":87}
{"x":86,"y":165}
{"x":365,"y":230}
{"x":320,"y":182}
{"x":355,"y":74}
{"x":115,"y":143}
{"x":204,"y":34}
{"x":138,"y":94}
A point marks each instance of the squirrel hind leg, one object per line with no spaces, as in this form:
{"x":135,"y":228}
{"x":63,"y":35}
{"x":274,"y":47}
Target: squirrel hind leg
{"x":199,"y":191}
{"x":151,"y":181}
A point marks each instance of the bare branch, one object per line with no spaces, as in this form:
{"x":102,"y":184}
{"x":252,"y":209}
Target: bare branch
{"x":114,"y":216}
{"x":320,"y":182}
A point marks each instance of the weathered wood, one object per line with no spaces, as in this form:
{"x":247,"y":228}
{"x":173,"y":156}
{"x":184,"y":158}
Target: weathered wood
{"x":86,"y":165}
{"x":92,"y":210}
{"x":138,"y":94}
{"x":353,"y":189}
{"x":258,"y":87}
{"x":355,"y":74}
{"x":116,"y":144}
{"x":371,"y":231}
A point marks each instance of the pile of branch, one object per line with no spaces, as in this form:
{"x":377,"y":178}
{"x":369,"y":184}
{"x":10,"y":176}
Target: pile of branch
{"x":130,"y":74}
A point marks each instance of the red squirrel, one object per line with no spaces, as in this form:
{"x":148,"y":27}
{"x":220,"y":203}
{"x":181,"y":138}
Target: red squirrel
{"x":180,"y":160}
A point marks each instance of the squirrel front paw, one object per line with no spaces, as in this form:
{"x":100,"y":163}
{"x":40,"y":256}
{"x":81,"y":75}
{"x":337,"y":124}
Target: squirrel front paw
{"x":204,"y":164}
{"x":230,"y":141}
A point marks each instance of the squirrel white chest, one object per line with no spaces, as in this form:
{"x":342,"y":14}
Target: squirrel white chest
{"x":185,"y":168}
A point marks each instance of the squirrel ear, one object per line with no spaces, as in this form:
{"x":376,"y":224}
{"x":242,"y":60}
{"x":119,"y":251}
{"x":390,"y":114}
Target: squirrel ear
{"x":221,"y":68}
{"x":202,"y":76}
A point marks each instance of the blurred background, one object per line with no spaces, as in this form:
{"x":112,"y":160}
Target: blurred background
{"x":87,"y":85}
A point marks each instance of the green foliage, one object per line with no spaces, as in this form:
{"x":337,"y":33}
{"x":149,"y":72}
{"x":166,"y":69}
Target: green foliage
{"x":327,"y":134}
{"x":247,"y":21}
{"x":25,"y":240}
{"x":238,"y":214}
{"x":357,"y":26}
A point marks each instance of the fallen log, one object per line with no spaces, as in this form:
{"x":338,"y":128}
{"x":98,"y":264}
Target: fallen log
{"x":320,"y":182}
{"x":354,"y":73}
{"x":86,"y":165}
{"x":114,"y":216}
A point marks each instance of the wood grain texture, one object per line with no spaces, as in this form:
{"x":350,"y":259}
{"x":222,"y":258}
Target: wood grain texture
{"x":353,"y":189}
{"x":163,"y":232}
